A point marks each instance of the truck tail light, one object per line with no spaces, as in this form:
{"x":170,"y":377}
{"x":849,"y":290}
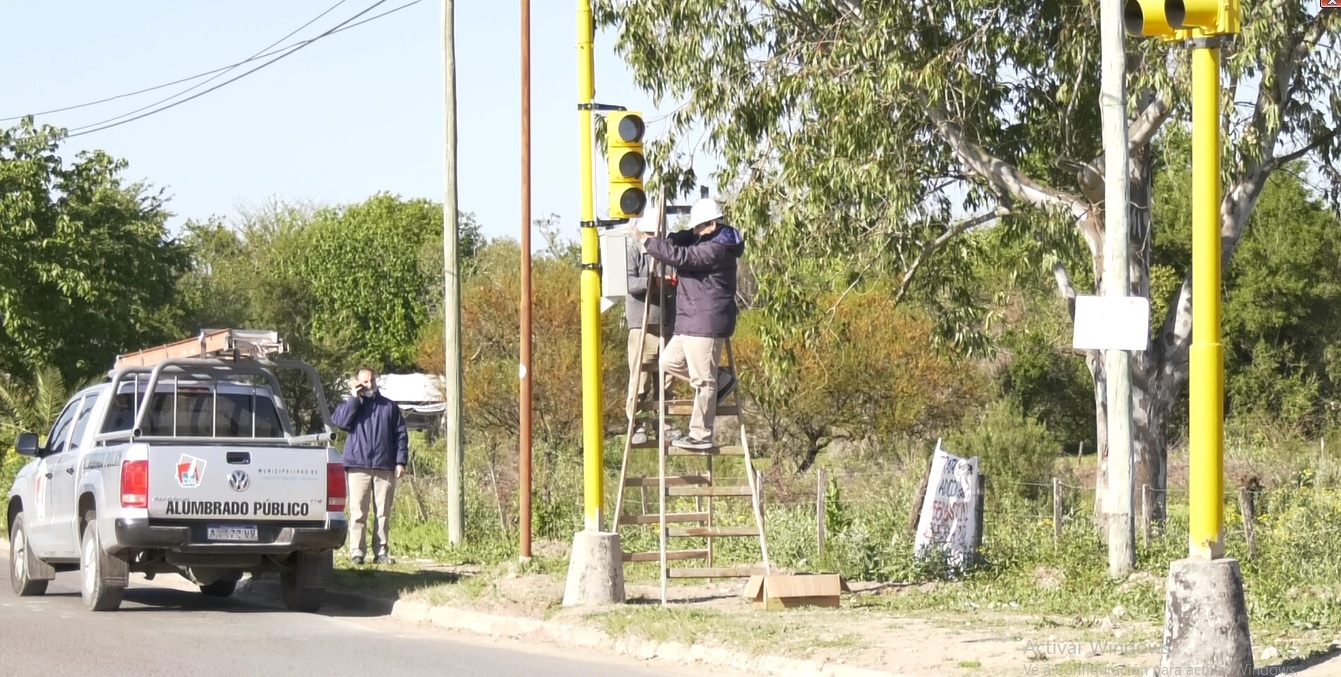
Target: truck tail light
{"x":335,"y":487}
{"x":135,"y":484}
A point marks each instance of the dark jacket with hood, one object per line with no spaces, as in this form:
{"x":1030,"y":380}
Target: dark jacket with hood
{"x":705,"y":299}
{"x":377,"y":434}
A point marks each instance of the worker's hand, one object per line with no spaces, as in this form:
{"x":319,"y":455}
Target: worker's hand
{"x":355,"y":388}
{"x":632,"y":231}
{"x":400,"y":471}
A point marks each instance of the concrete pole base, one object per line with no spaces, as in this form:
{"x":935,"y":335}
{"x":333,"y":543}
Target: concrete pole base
{"x":595,"y":570}
{"x":1206,"y":620}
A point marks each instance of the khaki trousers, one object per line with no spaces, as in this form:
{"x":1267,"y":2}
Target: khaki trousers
{"x":695,"y":359}
{"x":646,"y":354}
{"x":379,"y":487}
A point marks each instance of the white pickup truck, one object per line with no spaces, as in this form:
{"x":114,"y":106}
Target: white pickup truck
{"x":180,"y":465}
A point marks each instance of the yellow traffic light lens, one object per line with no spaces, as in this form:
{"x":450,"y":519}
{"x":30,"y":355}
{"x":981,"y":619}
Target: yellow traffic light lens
{"x":630,"y":128}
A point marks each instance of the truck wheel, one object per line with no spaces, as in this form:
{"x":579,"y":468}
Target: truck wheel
{"x":98,"y":594}
{"x":219,"y":588}
{"x":299,"y":598}
{"x":20,"y":574}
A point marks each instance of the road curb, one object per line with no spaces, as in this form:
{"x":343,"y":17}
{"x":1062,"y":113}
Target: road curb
{"x":553,"y":632}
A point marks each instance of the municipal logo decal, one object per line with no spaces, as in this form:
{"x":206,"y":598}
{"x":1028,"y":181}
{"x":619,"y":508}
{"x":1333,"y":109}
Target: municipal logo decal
{"x":190,"y":471}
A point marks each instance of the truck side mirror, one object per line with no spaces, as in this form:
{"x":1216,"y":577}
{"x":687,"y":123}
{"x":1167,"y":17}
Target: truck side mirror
{"x":26,"y":444}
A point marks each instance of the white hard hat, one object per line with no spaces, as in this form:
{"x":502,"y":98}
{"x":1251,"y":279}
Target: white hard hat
{"x":650,"y":221}
{"x":703,"y":211}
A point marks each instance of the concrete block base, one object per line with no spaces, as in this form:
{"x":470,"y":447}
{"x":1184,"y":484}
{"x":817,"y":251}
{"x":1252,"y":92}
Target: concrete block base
{"x":1206,"y":620}
{"x":595,"y":570}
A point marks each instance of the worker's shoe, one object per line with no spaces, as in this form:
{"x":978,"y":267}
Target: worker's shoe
{"x":726,"y":384}
{"x":639,"y":435}
{"x":691,"y":443}
{"x":384,"y":559}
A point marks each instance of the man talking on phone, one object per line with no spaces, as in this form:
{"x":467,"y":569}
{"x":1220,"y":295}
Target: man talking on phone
{"x":375,"y":456}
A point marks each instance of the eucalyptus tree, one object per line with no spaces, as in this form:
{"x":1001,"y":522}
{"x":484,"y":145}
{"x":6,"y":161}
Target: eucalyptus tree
{"x":877,"y":133}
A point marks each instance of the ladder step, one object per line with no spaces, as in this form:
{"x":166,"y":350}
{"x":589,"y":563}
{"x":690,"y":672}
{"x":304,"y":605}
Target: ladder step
{"x":671,"y":518}
{"x":708,"y":491}
{"x":686,"y":408}
{"x":715,"y":572}
{"x":711,"y":532}
{"x":670,"y":555}
{"x":671,"y":481}
{"x":729,"y":450}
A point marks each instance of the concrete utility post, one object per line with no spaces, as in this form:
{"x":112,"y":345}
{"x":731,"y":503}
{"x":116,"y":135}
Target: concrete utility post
{"x":1117,"y":283}
{"x":1206,"y":615}
{"x":451,"y":261}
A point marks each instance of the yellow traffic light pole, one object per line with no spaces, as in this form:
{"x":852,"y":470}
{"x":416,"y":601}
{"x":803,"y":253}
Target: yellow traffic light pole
{"x":592,"y":405}
{"x":1206,"y":383}
{"x":1203,"y":24}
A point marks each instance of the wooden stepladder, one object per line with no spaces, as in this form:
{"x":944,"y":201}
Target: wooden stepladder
{"x":685,"y":505}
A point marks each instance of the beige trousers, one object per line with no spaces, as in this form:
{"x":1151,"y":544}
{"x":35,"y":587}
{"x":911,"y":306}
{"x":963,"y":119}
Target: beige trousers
{"x":646,"y":354}
{"x":376,"y":486}
{"x":695,"y":359}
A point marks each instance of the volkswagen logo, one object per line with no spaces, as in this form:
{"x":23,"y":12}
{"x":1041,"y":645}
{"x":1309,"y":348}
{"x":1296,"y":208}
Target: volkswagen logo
{"x":239,"y":481}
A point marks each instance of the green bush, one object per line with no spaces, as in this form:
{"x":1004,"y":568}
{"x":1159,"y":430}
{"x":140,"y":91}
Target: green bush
{"x":1015,"y":451}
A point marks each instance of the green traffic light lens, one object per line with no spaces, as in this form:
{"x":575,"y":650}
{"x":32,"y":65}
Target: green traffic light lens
{"x":632,"y":201}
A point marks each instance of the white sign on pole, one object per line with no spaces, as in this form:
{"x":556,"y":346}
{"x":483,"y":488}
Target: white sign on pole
{"x":948,"y":521}
{"x":1111,"y":323}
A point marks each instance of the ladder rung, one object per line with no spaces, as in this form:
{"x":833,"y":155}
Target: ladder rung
{"x":686,"y":408}
{"x":671,"y":481}
{"x":670,"y":555}
{"x":730,"y":450}
{"x":708,"y":491}
{"x":712,"y":532}
{"x":714,"y":572}
{"x":671,"y":518}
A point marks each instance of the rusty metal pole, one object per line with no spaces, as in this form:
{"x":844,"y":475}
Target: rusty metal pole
{"x":524,"y":490}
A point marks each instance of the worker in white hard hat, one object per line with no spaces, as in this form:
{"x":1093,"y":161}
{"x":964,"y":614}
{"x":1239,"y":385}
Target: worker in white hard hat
{"x":705,"y":258}
{"x":645,"y":293}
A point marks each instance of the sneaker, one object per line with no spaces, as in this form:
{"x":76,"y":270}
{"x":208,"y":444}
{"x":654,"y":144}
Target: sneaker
{"x":357,"y":560}
{"x":672,"y":434}
{"x":728,"y":386}
{"x":639,"y":436}
{"x":691,"y":443}
{"x":384,"y":559}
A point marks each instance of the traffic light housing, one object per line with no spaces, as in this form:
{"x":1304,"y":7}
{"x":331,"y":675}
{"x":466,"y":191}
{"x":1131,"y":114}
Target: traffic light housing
{"x":1180,"y":19}
{"x":626,"y":163}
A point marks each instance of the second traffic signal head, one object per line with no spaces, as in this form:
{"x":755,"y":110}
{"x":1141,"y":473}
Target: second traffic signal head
{"x":625,"y":163}
{"x":1176,"y":19}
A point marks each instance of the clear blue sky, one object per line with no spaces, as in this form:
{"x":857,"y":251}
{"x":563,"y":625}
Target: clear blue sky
{"x":355,"y":113}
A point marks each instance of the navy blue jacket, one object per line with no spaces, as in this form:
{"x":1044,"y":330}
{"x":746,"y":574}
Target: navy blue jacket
{"x":377,"y":435}
{"x":705,"y":300}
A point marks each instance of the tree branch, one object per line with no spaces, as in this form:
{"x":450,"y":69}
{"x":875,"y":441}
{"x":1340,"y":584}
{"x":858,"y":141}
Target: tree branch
{"x":1065,"y":288}
{"x":929,"y":248}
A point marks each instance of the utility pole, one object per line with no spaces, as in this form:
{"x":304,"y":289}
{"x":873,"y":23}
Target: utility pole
{"x":451,"y":284}
{"x":1117,"y":283}
{"x":524,"y":465}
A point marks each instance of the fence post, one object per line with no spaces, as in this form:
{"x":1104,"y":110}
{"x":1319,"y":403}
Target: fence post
{"x":819,"y":509}
{"x":1056,"y":510}
{"x":1249,"y":514}
{"x":978,"y":513}
{"x":1147,"y":505}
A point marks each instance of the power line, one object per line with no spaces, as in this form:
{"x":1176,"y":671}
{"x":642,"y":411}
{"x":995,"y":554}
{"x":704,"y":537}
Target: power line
{"x":108,"y":124}
{"x":285,"y":51}
{"x":222,"y":71}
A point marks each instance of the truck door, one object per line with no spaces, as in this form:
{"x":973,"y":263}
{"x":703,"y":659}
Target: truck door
{"x":64,"y":484}
{"x":41,"y":535}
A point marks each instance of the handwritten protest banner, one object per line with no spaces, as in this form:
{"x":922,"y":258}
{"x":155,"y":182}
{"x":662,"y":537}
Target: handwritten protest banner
{"x":948,"y":523}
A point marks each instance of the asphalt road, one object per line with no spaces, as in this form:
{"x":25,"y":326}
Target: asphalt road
{"x":161,"y":631}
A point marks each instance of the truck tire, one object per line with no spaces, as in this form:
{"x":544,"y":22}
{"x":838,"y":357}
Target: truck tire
{"x":304,"y":584}
{"x":20,"y":571}
{"x":219,"y":588}
{"x":97,"y":593}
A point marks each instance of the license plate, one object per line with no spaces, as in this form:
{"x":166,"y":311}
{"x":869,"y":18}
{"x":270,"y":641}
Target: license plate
{"x":231,"y":533}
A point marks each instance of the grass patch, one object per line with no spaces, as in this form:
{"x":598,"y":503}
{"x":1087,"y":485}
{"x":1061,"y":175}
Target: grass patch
{"x":795,"y":635}
{"x":970,"y":664}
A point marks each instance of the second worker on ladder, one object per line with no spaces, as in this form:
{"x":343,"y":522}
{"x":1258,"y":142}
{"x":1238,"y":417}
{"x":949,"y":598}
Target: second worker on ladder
{"x":705,"y":258}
